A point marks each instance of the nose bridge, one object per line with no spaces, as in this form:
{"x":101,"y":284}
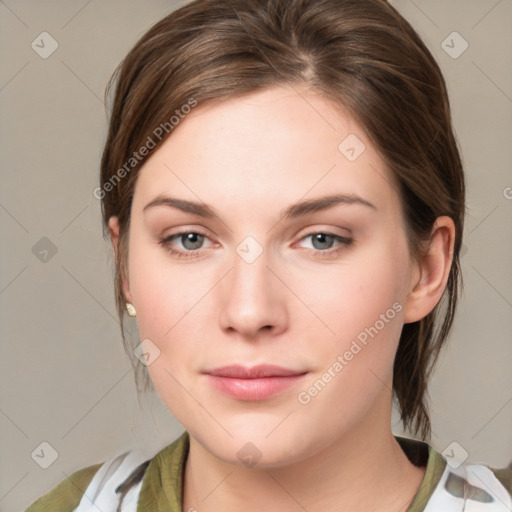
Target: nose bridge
{"x":251,"y":298}
{"x":250,"y":270}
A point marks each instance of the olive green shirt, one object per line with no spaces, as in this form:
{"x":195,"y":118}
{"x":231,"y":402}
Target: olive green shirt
{"x":162,"y":480}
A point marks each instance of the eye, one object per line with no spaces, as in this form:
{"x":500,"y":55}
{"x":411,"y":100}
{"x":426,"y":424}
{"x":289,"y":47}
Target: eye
{"x":190,"y":241}
{"x":322,"y":242}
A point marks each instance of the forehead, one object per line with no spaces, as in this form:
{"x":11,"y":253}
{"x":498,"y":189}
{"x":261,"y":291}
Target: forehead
{"x":268,"y":148}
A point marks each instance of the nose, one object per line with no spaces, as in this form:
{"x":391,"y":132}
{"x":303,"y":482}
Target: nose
{"x":253,"y":299}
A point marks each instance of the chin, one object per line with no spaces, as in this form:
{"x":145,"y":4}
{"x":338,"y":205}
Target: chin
{"x":253,"y":447}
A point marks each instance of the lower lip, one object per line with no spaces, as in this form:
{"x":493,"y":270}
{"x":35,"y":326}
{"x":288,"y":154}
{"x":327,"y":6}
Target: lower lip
{"x":253,"y":389}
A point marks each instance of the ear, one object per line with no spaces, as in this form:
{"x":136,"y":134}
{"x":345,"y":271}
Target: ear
{"x":113,"y":228}
{"x":430,"y":275}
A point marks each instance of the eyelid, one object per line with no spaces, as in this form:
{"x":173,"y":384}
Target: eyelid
{"x":343,"y":242}
{"x":185,"y":231}
{"x":323,"y":228}
{"x":312,"y":231}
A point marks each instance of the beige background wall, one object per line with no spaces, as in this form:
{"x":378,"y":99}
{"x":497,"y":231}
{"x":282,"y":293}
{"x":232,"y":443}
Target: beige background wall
{"x":65,"y":378}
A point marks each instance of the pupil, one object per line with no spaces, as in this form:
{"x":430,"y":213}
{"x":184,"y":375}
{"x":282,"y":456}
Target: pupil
{"x":320,"y":237}
{"x":189,"y":237}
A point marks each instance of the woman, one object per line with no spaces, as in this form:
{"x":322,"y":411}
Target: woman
{"x":285,"y":200}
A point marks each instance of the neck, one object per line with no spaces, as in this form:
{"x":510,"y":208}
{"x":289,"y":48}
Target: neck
{"x":364,"y":469}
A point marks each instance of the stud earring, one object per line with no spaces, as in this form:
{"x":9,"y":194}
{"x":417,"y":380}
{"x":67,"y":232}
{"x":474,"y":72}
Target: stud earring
{"x":130,"y":309}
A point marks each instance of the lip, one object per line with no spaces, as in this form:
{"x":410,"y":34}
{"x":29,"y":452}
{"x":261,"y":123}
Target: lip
{"x":254,"y":372}
{"x":253,"y":383}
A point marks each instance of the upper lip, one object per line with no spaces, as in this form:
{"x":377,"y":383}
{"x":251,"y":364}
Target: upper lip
{"x":254,"y":372}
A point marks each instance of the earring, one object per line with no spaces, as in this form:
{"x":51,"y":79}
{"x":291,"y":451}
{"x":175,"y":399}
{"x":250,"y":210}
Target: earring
{"x":130,"y":309}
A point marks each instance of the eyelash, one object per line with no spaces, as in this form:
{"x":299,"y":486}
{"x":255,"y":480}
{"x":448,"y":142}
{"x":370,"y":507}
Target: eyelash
{"x":344,"y":243}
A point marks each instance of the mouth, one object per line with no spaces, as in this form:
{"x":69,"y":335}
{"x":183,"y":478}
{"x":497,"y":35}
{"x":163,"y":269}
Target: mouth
{"x":253,"y":383}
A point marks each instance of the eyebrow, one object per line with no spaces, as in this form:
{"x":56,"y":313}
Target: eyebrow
{"x":291,"y":212}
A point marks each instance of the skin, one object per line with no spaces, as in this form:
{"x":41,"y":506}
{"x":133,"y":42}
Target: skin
{"x":249,"y":158}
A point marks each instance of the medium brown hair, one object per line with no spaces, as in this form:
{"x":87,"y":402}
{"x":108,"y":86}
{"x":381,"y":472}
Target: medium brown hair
{"x":360,"y":54}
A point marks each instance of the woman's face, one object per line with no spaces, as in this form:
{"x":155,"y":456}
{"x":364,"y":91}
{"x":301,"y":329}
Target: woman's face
{"x":261,"y":278}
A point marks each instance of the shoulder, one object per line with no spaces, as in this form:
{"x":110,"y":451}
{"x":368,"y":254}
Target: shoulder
{"x":66,"y":496}
{"x":119,"y":482}
{"x":92,"y":487}
{"x":451,"y":485}
{"x":471,"y":487}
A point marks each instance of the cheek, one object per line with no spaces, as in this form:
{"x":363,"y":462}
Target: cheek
{"x":356,"y":363}
{"x":163,"y":291}
{"x":360,"y":304}
{"x":351,"y":295}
